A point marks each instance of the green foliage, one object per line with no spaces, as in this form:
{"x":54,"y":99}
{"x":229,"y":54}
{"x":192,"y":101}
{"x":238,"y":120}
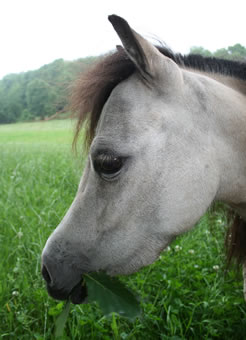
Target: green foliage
{"x":200,"y":50}
{"x":11,"y":99}
{"x":235,"y":52}
{"x":38,"y":94}
{"x":185,"y":294}
{"x":40,"y":97}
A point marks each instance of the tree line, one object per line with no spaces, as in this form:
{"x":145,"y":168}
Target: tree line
{"x":235,"y":52}
{"x":41,"y":93}
{"x":38,"y":94}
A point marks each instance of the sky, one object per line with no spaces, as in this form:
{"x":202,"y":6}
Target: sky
{"x":37,"y":32}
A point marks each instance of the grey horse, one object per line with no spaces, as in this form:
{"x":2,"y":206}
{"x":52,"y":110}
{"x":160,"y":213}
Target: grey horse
{"x":166,"y":137}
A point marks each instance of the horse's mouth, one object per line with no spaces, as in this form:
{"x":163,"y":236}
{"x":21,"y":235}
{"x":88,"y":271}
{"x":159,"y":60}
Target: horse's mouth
{"x":79,"y":293}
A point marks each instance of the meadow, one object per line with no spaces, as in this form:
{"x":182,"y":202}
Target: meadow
{"x":185,"y":294}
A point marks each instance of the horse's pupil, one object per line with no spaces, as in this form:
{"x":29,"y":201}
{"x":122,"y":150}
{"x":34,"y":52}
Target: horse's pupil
{"x":107,"y":164}
{"x":110,"y":164}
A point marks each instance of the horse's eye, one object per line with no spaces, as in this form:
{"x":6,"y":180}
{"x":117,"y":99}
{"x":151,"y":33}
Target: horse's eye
{"x":108,"y":165}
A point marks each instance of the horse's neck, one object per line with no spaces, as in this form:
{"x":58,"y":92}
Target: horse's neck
{"x":234,"y":83}
{"x":228,"y":103}
{"x":237,"y":84}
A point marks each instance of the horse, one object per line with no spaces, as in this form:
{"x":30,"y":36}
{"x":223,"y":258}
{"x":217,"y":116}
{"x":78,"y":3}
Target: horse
{"x":166,"y":137}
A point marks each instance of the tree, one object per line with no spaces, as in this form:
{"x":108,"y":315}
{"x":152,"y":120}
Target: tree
{"x":235,"y":52}
{"x":12,"y":98}
{"x":200,"y":50}
{"x":40,"y":98}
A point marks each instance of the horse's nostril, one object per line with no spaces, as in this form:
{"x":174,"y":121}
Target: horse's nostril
{"x":46,"y":275}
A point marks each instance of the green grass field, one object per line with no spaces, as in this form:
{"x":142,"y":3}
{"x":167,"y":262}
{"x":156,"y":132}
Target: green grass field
{"x":184,"y":295}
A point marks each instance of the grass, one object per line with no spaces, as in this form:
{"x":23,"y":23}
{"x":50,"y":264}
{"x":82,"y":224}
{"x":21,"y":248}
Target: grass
{"x":184,"y":295}
{"x":54,"y":131}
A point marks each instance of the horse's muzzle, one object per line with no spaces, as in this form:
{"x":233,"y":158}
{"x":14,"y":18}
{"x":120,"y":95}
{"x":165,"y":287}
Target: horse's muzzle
{"x":77,"y":294}
{"x":63,"y":279}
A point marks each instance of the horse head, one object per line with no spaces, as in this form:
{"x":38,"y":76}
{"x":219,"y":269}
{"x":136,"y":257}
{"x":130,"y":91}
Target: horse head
{"x":152,"y":169}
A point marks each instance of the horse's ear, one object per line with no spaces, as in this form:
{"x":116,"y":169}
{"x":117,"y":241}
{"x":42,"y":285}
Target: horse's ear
{"x":143,"y":54}
{"x":134,"y":45}
{"x":151,"y":64}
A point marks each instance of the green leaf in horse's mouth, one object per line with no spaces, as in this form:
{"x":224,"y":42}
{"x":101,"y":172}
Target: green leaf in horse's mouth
{"x":109,"y":292}
{"x":112,"y":295}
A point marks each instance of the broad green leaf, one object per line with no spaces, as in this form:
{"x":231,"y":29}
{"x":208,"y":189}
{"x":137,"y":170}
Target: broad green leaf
{"x":112,"y":295}
{"x":61,"y":320}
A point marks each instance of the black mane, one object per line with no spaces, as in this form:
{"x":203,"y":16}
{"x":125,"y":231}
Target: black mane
{"x":198,"y":62}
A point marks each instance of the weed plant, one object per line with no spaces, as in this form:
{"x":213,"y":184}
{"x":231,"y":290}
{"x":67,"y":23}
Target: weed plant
{"x":185,"y":294}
